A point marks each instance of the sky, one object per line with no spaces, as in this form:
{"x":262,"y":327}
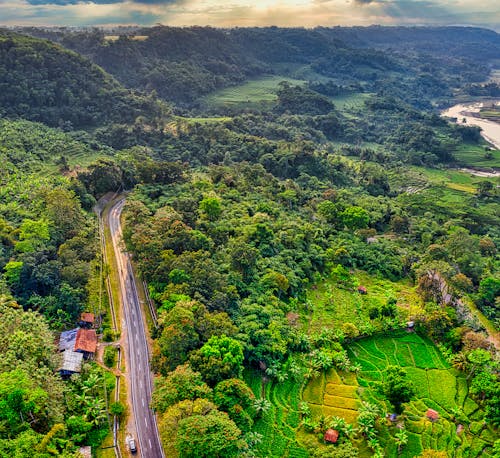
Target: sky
{"x":232,"y":13}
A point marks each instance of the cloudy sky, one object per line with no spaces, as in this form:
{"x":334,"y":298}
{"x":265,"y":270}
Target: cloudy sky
{"x":227,"y":13}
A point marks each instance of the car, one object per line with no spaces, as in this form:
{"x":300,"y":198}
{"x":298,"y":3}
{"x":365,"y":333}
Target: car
{"x":132,"y":445}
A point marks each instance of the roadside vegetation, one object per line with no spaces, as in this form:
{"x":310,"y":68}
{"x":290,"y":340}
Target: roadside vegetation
{"x":316,"y":258}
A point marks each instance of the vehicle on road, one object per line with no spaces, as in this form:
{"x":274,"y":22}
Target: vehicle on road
{"x":132,"y":445}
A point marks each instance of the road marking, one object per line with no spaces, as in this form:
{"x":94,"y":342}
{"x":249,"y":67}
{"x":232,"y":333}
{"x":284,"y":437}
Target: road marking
{"x":142,"y":402}
{"x":146,"y":421}
{"x":150,"y":446}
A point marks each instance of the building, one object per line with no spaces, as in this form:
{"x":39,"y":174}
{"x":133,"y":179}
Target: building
{"x":432,"y":415}
{"x":86,"y":342}
{"x":87,"y":320}
{"x":71,"y":364}
{"x":67,"y":340}
{"x":331,"y":436}
{"x":362,"y":290}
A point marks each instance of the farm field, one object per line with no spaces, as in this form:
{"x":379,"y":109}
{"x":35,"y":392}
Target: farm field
{"x":473,"y":155}
{"x":438,"y":387}
{"x":249,"y":94}
{"x":331,"y":306}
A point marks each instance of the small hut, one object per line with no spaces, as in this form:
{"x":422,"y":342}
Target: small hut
{"x":410,"y":326}
{"x":362,"y":290}
{"x":432,"y":415}
{"x":331,"y":436}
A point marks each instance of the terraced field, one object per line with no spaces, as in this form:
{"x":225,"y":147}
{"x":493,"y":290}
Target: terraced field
{"x":438,"y":386}
{"x":333,"y":394}
{"x":280,"y":426}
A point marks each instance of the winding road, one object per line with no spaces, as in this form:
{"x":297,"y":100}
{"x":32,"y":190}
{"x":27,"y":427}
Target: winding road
{"x":137,"y":352}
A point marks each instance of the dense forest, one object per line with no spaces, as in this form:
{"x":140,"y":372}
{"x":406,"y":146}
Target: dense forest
{"x":181,"y":65}
{"x":317,"y":260}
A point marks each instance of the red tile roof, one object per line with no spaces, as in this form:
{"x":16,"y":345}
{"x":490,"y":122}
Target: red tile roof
{"x":432,"y":415}
{"x":87,"y":317}
{"x":331,"y":435}
{"x":86,"y":340}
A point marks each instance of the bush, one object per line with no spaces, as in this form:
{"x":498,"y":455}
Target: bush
{"x":110,"y":356}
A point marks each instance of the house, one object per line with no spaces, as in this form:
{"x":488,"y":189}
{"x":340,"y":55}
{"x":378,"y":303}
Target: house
{"x":86,"y":342}
{"x":67,"y":340}
{"x":87,"y":320}
{"x":410,"y":326}
{"x":331,"y":436}
{"x":362,"y":290}
{"x":432,"y":415}
{"x":71,"y":364}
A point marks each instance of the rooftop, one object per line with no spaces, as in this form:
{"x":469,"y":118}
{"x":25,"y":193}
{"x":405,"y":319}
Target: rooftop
{"x":72,"y":361}
{"x":67,"y":340}
{"x":87,"y":317}
{"x":86,"y":340}
{"x":331,"y":435}
{"x":432,"y":415}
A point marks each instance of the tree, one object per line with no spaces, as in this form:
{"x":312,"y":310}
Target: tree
{"x":180,"y":384}
{"x":396,"y":388}
{"x":117,"y":409}
{"x":401,"y":439}
{"x":208,"y":436}
{"x":355,"y":217}
{"x":211,"y":207}
{"x":477,"y":359}
{"x":219,"y":358}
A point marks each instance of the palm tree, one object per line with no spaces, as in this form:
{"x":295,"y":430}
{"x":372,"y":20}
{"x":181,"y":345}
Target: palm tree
{"x":401,"y":439}
{"x":337,"y":423}
{"x":349,"y":430}
{"x":261,"y":406}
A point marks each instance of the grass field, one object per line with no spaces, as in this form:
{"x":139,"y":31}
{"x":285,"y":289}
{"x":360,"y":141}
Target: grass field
{"x":332,"y":306}
{"x":453,"y":179}
{"x":345,"y":102}
{"x":473,"y":155}
{"x":249,"y":94}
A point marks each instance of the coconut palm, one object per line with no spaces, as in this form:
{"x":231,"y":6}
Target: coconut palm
{"x":401,"y":439}
{"x":261,"y":406}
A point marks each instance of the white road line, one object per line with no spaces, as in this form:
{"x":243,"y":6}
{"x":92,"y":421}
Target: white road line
{"x":150,"y":443}
{"x":146,"y":421}
{"x":142,"y":402}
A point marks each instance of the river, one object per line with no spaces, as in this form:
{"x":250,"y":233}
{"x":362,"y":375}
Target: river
{"x":490,"y":129}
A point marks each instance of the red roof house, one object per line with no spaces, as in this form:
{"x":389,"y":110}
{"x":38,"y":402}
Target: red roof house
{"x":86,"y":342}
{"x":362,"y":290}
{"x":331,"y":435}
{"x":432,"y":415}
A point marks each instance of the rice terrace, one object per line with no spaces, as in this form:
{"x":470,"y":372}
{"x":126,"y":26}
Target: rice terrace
{"x":459,"y":430}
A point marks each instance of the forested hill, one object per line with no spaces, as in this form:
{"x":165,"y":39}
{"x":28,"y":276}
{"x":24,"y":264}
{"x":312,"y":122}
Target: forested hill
{"x":41,"y":81}
{"x":182,"y":64}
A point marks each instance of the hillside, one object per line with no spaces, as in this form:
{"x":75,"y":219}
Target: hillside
{"x":44,"y":82}
{"x":182,"y":64}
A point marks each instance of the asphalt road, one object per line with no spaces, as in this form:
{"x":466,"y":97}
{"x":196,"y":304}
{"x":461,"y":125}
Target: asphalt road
{"x":137,"y":352}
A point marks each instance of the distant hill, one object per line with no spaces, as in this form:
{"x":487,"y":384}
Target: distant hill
{"x":184,"y":64}
{"x":42,"y":81}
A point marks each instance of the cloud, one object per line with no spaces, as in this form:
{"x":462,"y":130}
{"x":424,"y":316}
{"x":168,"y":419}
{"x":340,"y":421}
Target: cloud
{"x":228,"y":13}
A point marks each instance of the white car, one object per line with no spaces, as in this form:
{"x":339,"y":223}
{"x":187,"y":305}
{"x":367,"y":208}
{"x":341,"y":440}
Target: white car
{"x":131,"y":444}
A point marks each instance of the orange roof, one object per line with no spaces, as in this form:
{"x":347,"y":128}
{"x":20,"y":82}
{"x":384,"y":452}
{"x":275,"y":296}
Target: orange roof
{"x":87,"y":317}
{"x":432,"y":414}
{"x":331,"y":435}
{"x":86,"y":340}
